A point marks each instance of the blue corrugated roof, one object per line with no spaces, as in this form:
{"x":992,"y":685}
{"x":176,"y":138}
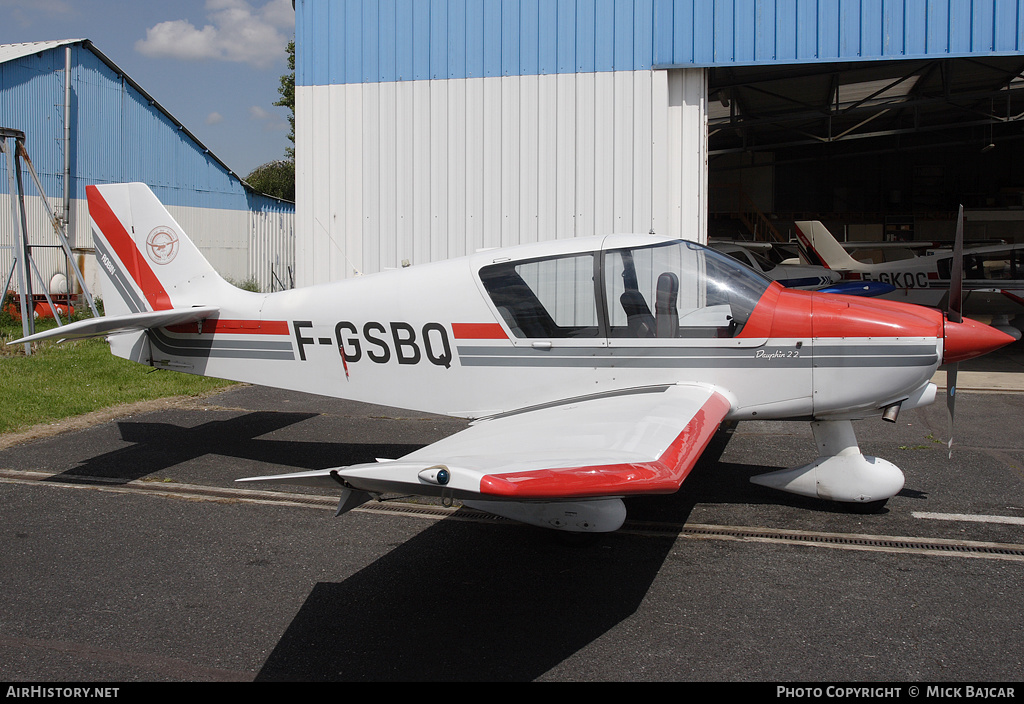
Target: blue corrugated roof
{"x":119,"y":132}
{"x":368,"y":41}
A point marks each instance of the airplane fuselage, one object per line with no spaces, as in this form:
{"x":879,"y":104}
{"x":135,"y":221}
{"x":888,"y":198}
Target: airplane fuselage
{"x":598,"y":368}
{"x":431,"y":338}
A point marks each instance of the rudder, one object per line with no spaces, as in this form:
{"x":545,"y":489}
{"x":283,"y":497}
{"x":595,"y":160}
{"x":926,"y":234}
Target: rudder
{"x":147,"y":261}
{"x":823,"y":246}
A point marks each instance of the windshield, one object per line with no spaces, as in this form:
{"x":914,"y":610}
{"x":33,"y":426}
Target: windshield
{"x":671,"y":290}
{"x":679,"y":289}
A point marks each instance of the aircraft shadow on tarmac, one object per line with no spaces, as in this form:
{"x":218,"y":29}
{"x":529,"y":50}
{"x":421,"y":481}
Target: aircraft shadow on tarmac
{"x":459,"y":601}
{"x":466,"y":602}
{"x":157,"y":447}
{"x":471,"y":602}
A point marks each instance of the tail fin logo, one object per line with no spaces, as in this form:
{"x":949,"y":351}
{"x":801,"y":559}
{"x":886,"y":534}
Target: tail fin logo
{"x":162,"y":245}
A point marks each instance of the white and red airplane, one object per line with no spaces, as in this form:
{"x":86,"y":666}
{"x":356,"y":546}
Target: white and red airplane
{"x":594,"y":368}
{"x":993,"y":275}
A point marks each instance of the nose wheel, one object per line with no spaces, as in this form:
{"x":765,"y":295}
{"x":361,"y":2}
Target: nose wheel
{"x":841,"y":472}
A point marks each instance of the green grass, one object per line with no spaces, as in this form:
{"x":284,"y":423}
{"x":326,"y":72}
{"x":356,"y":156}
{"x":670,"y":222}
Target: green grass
{"x":63,"y":380}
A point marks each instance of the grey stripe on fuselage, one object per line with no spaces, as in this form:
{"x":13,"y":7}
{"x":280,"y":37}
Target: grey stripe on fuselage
{"x":120,"y":281}
{"x":222,"y":347}
{"x":702,"y":357}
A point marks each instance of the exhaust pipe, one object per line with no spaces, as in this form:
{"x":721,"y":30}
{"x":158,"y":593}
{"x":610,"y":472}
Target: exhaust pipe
{"x":891,"y":412}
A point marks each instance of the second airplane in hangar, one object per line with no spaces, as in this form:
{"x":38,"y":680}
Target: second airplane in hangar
{"x":993,"y":275}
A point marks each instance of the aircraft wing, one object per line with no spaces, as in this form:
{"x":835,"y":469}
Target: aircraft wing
{"x":132,"y":322}
{"x":640,"y":441}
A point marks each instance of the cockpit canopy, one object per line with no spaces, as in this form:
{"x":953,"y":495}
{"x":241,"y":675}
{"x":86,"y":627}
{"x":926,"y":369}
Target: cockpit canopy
{"x":673,"y":289}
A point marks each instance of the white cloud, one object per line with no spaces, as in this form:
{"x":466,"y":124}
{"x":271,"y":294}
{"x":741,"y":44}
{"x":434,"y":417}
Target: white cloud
{"x":271,"y":122}
{"x":214,"y":118}
{"x":237,"y":32}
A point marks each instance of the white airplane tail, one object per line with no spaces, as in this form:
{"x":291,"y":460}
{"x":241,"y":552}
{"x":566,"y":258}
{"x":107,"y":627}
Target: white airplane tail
{"x":147,"y":262}
{"x":822,"y":246}
{"x":152,"y":275}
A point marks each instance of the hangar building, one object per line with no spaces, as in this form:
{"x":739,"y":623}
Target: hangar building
{"x":427,"y":129}
{"x":87,"y":122}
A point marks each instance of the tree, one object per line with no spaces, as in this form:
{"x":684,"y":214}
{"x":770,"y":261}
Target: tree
{"x":277,"y":178}
{"x":287,"y":91}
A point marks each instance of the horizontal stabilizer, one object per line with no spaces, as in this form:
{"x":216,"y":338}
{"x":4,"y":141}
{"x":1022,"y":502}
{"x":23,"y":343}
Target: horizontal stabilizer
{"x":114,"y":324}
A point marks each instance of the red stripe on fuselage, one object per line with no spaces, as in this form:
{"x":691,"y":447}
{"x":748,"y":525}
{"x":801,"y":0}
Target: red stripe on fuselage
{"x":662,"y":476}
{"x":129,"y":254}
{"x":478,"y":331}
{"x":234,"y":327}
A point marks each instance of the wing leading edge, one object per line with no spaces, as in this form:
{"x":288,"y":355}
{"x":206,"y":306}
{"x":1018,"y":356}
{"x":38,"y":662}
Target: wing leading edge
{"x":573,"y":454}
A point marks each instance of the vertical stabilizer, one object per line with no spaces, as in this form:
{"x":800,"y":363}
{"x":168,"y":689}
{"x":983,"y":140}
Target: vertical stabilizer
{"x":146,"y":260}
{"x":820,"y":245}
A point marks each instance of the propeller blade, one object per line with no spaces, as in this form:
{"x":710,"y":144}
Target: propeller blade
{"x":951,"y":402}
{"x":955,"y":305}
{"x":954,"y":314}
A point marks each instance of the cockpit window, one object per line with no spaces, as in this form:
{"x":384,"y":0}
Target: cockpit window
{"x":764,"y":262}
{"x":545,"y":298}
{"x":991,"y":266}
{"x":672,"y":290}
{"x":680,"y":289}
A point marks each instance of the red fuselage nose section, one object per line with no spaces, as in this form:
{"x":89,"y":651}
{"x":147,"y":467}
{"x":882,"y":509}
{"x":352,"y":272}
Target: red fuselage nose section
{"x":786,"y":312}
{"x":971,"y":339}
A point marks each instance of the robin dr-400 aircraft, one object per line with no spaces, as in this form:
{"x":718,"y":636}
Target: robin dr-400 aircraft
{"x":595,"y":368}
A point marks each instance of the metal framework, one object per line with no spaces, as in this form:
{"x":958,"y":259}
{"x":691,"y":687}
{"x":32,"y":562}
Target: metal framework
{"x":788,"y":107}
{"x":12,"y":147}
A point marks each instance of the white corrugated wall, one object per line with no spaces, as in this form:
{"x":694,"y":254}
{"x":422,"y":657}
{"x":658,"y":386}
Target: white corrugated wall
{"x":418,"y":171}
{"x":241,"y":245}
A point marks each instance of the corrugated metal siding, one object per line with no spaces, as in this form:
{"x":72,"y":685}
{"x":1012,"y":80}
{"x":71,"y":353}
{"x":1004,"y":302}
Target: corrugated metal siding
{"x":271,"y":243}
{"x":241,"y":245}
{"x":368,"y":41}
{"x":357,"y":41}
{"x":747,"y":32}
{"x":49,"y":259}
{"x":31,"y":100}
{"x":428,"y":170}
{"x":119,"y":135}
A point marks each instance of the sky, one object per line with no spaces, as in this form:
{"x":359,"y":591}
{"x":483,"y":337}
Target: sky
{"x":215,"y":65}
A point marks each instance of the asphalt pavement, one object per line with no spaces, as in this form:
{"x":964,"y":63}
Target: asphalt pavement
{"x":131,"y":555}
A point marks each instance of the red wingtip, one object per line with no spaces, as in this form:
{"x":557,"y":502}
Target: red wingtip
{"x":971,"y":339}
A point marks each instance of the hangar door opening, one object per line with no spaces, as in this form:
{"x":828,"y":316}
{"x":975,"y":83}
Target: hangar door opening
{"x":879,"y":150}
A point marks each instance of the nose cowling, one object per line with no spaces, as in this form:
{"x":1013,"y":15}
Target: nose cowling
{"x":970,"y":339}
